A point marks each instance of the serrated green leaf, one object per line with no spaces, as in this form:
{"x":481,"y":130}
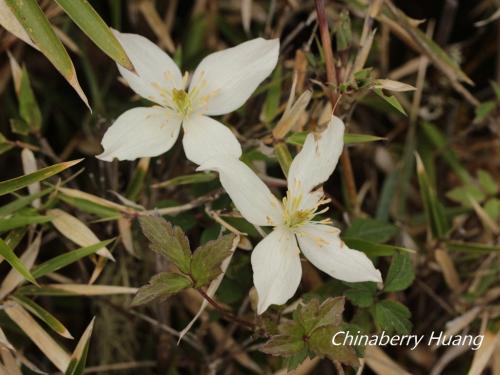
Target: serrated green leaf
{"x":9,"y":255}
{"x":401,"y":273}
{"x":295,"y":360}
{"x":163,"y":286}
{"x":361,"y":294}
{"x":342,"y":30}
{"x":66,"y":259}
{"x":17,"y":183}
{"x":320,"y":343}
{"x":492,"y":208}
{"x":89,"y":21}
{"x":392,"y":316}
{"x":207,"y":259}
{"x":168,"y":240}
{"x":283,"y":345}
{"x":371,"y":230}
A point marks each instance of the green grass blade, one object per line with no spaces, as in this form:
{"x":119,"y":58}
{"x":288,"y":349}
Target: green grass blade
{"x":9,"y":255}
{"x":33,"y":20}
{"x":89,"y":21}
{"x":63,"y":260}
{"x":17,"y":183}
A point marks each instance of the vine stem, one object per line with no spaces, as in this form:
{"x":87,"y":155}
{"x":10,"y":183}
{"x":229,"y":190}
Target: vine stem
{"x":228,"y":314}
{"x":331,"y":75}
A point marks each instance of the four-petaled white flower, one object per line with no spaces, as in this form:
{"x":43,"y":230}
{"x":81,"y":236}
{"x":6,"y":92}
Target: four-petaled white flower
{"x":276,"y":259}
{"x":221,"y":83}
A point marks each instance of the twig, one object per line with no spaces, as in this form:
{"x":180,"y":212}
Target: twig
{"x":228,"y":314}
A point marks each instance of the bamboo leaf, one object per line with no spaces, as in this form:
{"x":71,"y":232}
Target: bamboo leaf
{"x":49,"y":319}
{"x":79,"y":356}
{"x":33,"y":20}
{"x":9,"y":255}
{"x":63,"y":260}
{"x":19,"y":182}
{"x":89,"y":21}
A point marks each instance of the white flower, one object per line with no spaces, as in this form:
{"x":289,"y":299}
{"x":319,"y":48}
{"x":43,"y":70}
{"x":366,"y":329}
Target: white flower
{"x":221,"y":83}
{"x":276,"y":259}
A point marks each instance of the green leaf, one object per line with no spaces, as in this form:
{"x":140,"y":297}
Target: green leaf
{"x":163,"y":286}
{"x":19,"y":126}
{"x":33,"y":20}
{"x":283,"y":155}
{"x":483,"y":110}
{"x":472,"y":247}
{"x":89,"y":21}
{"x":5,"y":144}
{"x":9,"y":255}
{"x":79,"y":357}
{"x":296,"y":359}
{"x":487,"y":182}
{"x":433,"y":208}
{"x":371,"y":230}
{"x":392,"y":316}
{"x":492,"y":208}
{"x":461,"y":195}
{"x":28,"y":106}
{"x":298,"y":138}
{"x":442,"y":144}
{"x":271,"y":105}
{"x":168,"y":240}
{"x":22,"y":202}
{"x":391,"y":100}
{"x":65,"y":259}
{"x":195,"y":178}
{"x":342,"y":30}
{"x":373,"y":249}
{"x":49,"y":319}
{"x":361,"y":294}
{"x":401,"y":273}
{"x":207,"y":259}
{"x":17,"y":183}
{"x":320,"y":342}
{"x":283,"y":345}
{"x":21,"y":220}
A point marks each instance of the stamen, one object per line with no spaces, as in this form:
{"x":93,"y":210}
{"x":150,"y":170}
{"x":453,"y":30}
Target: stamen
{"x":294,"y":217}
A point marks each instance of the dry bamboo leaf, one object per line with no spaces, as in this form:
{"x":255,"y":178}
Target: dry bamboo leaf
{"x":29,"y":166}
{"x":15,"y":70}
{"x":124,"y":227}
{"x":4,"y":341}
{"x":76,"y":231}
{"x":381,"y":363}
{"x":456,"y":325}
{"x":13,"y":278}
{"x":291,"y":116}
{"x":57,"y":355}
{"x":484,"y":217}
{"x":304,"y":368}
{"x":246,"y":14}
{"x":10,"y":362}
{"x":99,"y":267}
{"x":73,"y":193}
{"x":448,"y":356}
{"x":93,"y":290}
{"x":148,"y":10}
{"x":484,"y":353}
{"x":449,"y":271}
{"x":362,"y":55}
{"x":389,"y":84}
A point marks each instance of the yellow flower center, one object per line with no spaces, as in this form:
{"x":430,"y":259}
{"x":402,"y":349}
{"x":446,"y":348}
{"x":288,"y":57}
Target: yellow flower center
{"x":182,"y":101}
{"x":294,"y":216}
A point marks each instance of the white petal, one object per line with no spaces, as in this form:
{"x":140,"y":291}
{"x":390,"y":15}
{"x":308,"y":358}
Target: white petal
{"x":225,"y":80}
{"x":156,"y":74}
{"x":317,"y":159}
{"x":323,"y":247}
{"x":276,"y":268}
{"x":249,"y":194}
{"x":205,"y":138}
{"x":140,"y":132}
